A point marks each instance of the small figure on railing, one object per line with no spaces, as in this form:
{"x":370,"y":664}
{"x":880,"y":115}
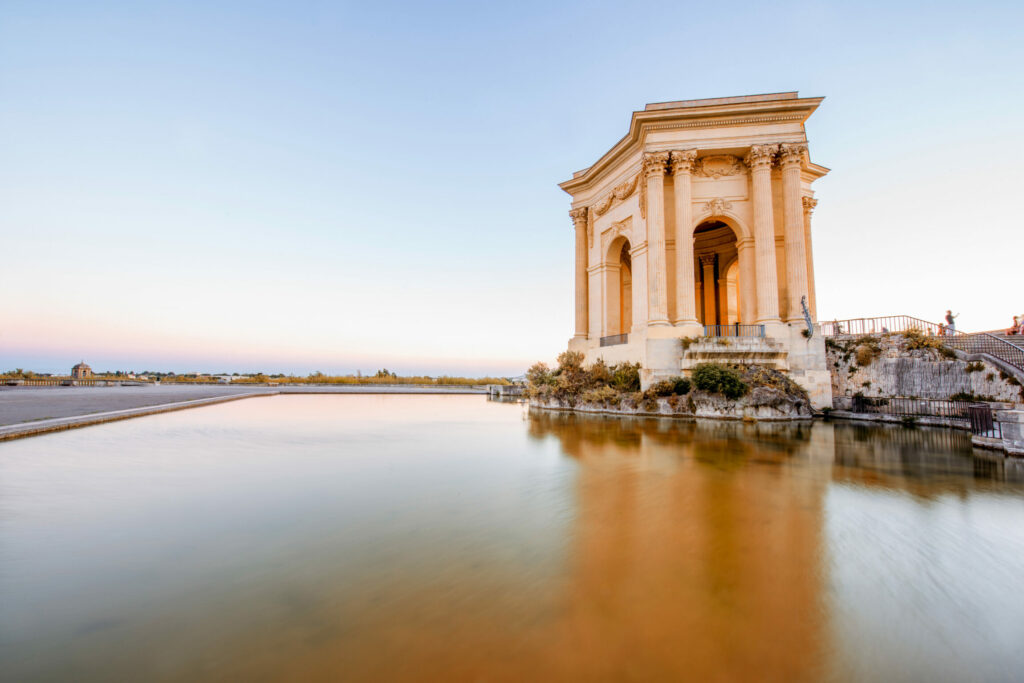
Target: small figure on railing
{"x":950,"y":328}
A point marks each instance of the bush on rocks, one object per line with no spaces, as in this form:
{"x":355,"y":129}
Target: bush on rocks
{"x":719,"y":379}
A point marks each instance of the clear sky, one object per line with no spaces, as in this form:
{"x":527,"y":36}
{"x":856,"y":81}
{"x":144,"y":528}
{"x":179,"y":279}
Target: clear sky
{"x":299,"y":186}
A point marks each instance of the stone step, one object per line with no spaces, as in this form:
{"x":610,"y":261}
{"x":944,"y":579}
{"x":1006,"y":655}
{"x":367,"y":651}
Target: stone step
{"x":737,"y":351}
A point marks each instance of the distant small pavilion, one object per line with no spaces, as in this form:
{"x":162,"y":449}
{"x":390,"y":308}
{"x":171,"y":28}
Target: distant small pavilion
{"x":81,"y":371}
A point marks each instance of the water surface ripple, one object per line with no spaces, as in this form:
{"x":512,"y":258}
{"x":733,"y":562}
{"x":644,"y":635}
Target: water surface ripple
{"x":449,"y":538}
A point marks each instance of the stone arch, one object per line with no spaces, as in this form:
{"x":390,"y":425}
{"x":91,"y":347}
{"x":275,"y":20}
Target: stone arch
{"x":722,"y":212}
{"x":716,"y":272}
{"x":618,"y":295}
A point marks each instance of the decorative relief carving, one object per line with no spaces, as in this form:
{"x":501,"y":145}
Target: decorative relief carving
{"x":682,"y":161}
{"x":792,"y":153}
{"x":717,"y":206}
{"x":717,"y":166}
{"x":654,"y":163}
{"x":578,"y":215}
{"x":623,"y":227}
{"x":618,"y":193}
{"x":708,"y":259}
{"x":809,"y":204}
{"x":760,"y":156}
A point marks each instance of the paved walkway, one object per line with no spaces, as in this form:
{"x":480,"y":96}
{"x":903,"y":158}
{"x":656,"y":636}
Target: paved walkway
{"x":34,"y":410}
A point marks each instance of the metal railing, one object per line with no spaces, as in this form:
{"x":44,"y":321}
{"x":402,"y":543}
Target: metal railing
{"x":881,"y":325}
{"x":983,"y":422}
{"x":912,"y":407}
{"x":734,"y":330}
{"x":990,"y":345}
{"x":615,"y":340}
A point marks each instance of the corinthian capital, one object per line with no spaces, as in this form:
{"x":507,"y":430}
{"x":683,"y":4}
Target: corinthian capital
{"x":654,"y":164}
{"x":809,"y":204}
{"x":790,"y":154}
{"x":760,"y":156}
{"x":682,"y":161}
{"x":578,"y":216}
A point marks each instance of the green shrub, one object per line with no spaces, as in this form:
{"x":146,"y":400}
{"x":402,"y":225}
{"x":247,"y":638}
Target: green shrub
{"x":659,"y":389}
{"x":603,"y":395}
{"x":687,"y":342}
{"x":626,"y":377}
{"x":974,"y":367}
{"x":719,"y":379}
{"x":680,"y":386}
{"x":865,"y":354}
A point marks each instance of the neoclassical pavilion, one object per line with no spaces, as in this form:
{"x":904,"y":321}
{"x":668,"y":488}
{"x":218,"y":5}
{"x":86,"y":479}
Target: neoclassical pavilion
{"x":698,"y":224}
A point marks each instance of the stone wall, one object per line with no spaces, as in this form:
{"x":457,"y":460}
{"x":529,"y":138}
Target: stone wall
{"x":888,"y":366}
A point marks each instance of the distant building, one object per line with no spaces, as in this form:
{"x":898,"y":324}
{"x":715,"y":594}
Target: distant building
{"x":81,"y":371}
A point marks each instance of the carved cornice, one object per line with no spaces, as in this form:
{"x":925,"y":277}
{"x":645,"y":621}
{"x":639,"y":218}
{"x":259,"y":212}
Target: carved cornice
{"x":654,"y":164}
{"x":682,"y":161}
{"x":809,"y":204}
{"x":760,"y":156}
{"x":717,"y":166}
{"x":792,"y":154}
{"x":618,"y":193}
{"x":578,"y":216}
{"x":717,"y":206}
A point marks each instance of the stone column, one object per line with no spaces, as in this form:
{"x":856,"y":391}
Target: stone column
{"x":748,"y":286}
{"x":579,"y":220}
{"x":760,"y":162}
{"x":686,"y":305}
{"x":657,"y":287}
{"x":707,"y":262}
{"x":791,"y":158}
{"x":809,"y":204}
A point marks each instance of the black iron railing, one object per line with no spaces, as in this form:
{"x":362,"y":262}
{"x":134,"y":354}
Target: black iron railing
{"x":615,"y":340}
{"x":734,"y":330}
{"x":983,"y":422}
{"x":912,"y":407}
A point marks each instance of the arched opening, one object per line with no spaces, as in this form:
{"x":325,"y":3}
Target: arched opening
{"x":619,"y":289}
{"x":717,"y":273}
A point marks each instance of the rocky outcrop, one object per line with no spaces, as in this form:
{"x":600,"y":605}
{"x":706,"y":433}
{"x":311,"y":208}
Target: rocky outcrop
{"x":743,"y":393}
{"x":898,"y":365}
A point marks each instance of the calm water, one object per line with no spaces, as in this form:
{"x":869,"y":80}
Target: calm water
{"x":449,"y":538}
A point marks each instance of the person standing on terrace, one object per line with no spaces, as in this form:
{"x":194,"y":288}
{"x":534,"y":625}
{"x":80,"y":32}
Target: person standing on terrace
{"x":951,"y":322}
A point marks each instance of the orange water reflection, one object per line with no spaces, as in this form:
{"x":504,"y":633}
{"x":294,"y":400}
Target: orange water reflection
{"x":448,"y":538}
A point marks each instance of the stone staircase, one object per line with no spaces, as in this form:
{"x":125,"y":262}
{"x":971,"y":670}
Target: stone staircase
{"x":736,"y":351}
{"x":1003,"y":350}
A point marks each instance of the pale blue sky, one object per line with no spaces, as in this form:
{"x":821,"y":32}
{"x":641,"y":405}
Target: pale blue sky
{"x":304,"y":186}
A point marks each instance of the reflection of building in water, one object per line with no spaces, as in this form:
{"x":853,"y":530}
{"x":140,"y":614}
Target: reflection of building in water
{"x":696,"y":555}
{"x":924,"y":460}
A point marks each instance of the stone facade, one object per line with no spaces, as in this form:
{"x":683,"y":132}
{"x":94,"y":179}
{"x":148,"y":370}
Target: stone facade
{"x":700,"y":216}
